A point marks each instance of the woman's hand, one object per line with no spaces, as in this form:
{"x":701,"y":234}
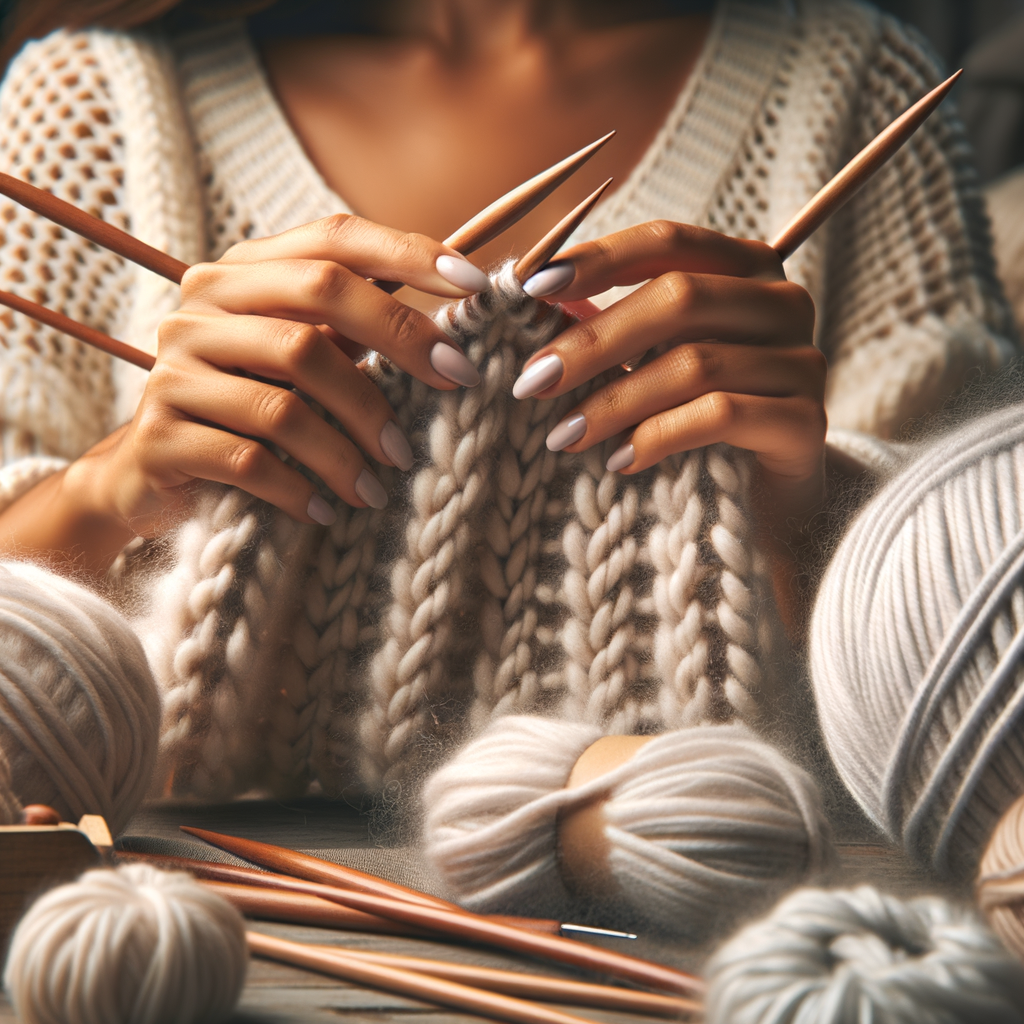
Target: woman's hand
{"x":296,"y":308}
{"x":742,"y":367}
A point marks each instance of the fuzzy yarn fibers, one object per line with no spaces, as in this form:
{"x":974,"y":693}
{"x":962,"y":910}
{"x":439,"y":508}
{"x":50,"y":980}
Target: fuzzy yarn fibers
{"x":79,"y":711}
{"x":699,"y":822}
{"x":861,"y":957}
{"x":130,"y":946}
{"x":916,"y":645}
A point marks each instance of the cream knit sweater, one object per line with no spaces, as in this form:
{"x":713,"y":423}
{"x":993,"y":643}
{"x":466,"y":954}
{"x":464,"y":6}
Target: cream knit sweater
{"x":502,"y":577}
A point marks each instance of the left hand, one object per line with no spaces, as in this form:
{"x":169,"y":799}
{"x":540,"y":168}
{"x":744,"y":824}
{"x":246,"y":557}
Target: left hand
{"x":743,"y":368}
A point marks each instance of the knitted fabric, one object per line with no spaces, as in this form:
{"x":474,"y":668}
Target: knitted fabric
{"x":501,"y":576}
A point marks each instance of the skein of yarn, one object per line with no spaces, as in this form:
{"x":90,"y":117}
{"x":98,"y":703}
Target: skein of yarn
{"x":1000,"y":886}
{"x":916,"y":640}
{"x":699,"y":823}
{"x":848,"y":957}
{"x":79,"y":711}
{"x":128,"y":946}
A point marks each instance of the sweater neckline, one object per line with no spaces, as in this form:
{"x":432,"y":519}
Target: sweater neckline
{"x":237,"y":117}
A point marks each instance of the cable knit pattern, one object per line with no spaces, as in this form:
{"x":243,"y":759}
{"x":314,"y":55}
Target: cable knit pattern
{"x":502,"y":577}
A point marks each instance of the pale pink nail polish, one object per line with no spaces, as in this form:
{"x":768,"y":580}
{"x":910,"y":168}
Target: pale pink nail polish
{"x":550,"y":279}
{"x":568,"y":432}
{"x":319,"y":511}
{"x":537,"y":378}
{"x":462,"y":273}
{"x":371,"y":490}
{"x":453,"y":365}
{"x":620,"y":458}
{"x":395,"y":445}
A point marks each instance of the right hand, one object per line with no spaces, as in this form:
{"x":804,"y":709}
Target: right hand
{"x":297,"y":308}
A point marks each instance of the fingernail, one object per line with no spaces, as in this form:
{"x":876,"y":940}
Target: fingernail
{"x":319,"y":511}
{"x":568,"y":432}
{"x":395,"y":445}
{"x":462,"y":273}
{"x":371,"y":490}
{"x":620,"y":458}
{"x":550,"y":279}
{"x":541,"y":375}
{"x":451,"y":363}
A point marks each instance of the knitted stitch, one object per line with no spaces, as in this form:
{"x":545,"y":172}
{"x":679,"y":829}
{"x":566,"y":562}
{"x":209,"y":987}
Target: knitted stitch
{"x":501,"y":576}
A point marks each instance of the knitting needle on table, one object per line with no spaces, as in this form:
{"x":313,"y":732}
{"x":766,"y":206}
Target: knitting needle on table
{"x":293,"y":866}
{"x":457,"y":922}
{"x":406,"y":983}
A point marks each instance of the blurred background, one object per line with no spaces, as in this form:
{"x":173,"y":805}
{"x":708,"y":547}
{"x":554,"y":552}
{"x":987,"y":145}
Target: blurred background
{"x":986,"y":39}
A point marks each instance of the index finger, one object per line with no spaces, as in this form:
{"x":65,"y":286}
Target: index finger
{"x":649,"y":250}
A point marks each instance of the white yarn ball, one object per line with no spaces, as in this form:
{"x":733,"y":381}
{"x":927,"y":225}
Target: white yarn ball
{"x":861,"y":957}
{"x":916,"y":645}
{"x":701,"y":823}
{"x":79,"y":711}
{"x":128,"y":946}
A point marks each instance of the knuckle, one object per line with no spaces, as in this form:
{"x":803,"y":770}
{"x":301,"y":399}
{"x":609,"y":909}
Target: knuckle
{"x":409,"y":249}
{"x":278,"y":411}
{"x":175,"y":330}
{"x":198,"y":280}
{"x":298,"y":343}
{"x":676,"y":289}
{"x":244,"y":459}
{"x":720,"y":409}
{"x":325,"y":281}
{"x":665,"y":234}
{"x":696,"y":363}
{"x":402,"y":324}
{"x":337,"y":229}
{"x":800,"y":303}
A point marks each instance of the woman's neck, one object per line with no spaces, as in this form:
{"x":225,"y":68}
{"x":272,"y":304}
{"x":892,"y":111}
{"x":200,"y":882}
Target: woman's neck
{"x":426,"y":122}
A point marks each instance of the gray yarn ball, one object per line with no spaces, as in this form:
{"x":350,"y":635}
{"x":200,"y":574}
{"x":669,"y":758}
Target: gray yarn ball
{"x":79,"y":711}
{"x":862,"y":957}
{"x":917,"y":645}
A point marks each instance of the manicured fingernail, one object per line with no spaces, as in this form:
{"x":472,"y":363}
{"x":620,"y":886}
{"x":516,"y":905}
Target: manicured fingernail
{"x":462,"y":274}
{"x":541,"y":375}
{"x":395,"y":446}
{"x":371,"y":490}
{"x":568,"y":432}
{"x":319,"y":511}
{"x":620,"y":458}
{"x":451,"y":363}
{"x":550,"y":279}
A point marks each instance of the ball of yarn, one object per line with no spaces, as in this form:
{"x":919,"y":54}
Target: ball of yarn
{"x":1001,"y":880}
{"x":128,"y":946}
{"x":916,"y":642}
{"x":849,"y":957}
{"x":79,"y":711}
{"x":700,"y":823}
{"x":10,"y":805}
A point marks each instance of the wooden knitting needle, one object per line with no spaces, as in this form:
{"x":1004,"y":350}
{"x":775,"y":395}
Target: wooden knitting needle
{"x":856,"y":174}
{"x":456,"y":922}
{"x":305,"y":909}
{"x":556,"y":237}
{"x":292,"y":865}
{"x":537,"y":986}
{"x":96,"y":230}
{"x":406,"y":983}
{"x":215,"y":871}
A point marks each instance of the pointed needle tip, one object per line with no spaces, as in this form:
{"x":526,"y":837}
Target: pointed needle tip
{"x":557,"y":236}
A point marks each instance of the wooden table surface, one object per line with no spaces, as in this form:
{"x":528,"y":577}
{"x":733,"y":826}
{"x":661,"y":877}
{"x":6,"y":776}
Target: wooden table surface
{"x":276,"y":993}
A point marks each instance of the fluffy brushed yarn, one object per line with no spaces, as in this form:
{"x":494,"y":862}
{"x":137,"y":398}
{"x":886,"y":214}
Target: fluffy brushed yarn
{"x":701,"y":823}
{"x":128,"y":946}
{"x":849,"y":957}
{"x":79,"y":711}
{"x":916,"y":644}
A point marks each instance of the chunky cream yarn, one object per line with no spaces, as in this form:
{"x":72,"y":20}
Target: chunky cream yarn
{"x":128,"y":946}
{"x":862,"y":957}
{"x":79,"y":711}
{"x":916,"y":642}
{"x":701,"y":822}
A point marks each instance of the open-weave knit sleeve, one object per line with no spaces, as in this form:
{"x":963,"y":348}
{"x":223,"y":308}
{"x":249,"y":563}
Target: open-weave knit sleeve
{"x":59,"y":131}
{"x":913,"y":305}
